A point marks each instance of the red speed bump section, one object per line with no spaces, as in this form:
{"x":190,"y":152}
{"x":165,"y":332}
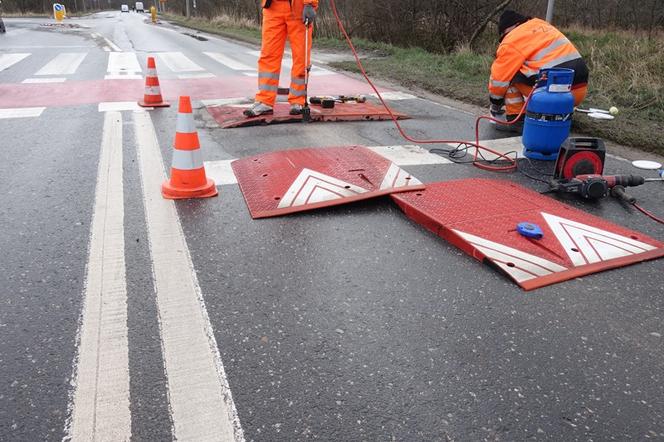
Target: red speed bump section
{"x":232,"y":116}
{"x":278,"y":183}
{"x":480,"y":216}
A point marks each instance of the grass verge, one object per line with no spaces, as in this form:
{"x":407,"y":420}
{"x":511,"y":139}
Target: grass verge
{"x":626,"y":71}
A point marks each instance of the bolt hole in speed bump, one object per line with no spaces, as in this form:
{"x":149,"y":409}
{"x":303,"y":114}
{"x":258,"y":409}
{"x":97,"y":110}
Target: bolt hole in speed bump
{"x":480,"y":216}
{"x":306,"y":179}
{"x":232,"y":116}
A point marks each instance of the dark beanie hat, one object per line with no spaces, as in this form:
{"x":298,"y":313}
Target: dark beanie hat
{"x":510,"y":18}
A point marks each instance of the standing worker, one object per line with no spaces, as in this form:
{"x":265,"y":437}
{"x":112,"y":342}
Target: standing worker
{"x":527,"y":45}
{"x":282,"y":19}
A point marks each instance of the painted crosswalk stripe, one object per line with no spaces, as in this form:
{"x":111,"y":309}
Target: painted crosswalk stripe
{"x":230,"y":62}
{"x":118,"y":106}
{"x":195,"y":75}
{"x":21,"y":112}
{"x":65,"y":63}
{"x":100,"y":402}
{"x":123,"y":66}
{"x":8,"y":60}
{"x":44,"y":80}
{"x":178,"y":62}
{"x":408,"y":155}
{"x":201,"y":403}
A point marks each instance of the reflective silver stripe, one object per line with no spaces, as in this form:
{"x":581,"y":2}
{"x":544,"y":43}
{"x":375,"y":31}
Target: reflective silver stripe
{"x":547,"y":50}
{"x":152,"y":90}
{"x":151,"y":73}
{"x":298,"y":81}
{"x":268,"y":75}
{"x":530,"y":72}
{"x":185,"y":124}
{"x":296,"y":93}
{"x":560,"y":60}
{"x":496,"y":97}
{"x":187,"y":159}
{"x":514,"y":100}
{"x":268,"y":87}
{"x":496,"y":83}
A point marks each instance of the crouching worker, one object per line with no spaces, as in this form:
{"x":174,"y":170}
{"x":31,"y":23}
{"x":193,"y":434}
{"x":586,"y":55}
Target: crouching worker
{"x":283,"y":19}
{"x":526,"y":46}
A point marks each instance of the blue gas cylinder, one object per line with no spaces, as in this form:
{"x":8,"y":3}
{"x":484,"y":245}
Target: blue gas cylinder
{"x":549,"y":114}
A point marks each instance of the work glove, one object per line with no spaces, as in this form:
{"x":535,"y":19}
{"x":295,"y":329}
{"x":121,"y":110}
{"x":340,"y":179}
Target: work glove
{"x":496,"y":110}
{"x":308,"y":14}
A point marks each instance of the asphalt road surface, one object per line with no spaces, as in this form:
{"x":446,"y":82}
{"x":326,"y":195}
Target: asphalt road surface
{"x":123,"y":315}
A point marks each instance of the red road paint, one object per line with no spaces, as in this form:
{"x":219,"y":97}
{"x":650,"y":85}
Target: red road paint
{"x":232,"y":116}
{"x":72,"y":93}
{"x":480,"y":216}
{"x":278,"y":183}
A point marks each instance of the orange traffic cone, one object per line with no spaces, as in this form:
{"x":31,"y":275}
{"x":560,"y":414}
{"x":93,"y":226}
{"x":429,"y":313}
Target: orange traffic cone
{"x":152,"y":96}
{"x":188,"y":179}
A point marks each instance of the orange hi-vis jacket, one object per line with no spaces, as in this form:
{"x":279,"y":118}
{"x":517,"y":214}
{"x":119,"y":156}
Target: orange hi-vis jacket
{"x":282,"y":19}
{"x":529,"y":47}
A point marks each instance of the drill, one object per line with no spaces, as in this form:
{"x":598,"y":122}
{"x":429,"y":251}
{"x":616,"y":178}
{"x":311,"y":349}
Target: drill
{"x":598,"y":186}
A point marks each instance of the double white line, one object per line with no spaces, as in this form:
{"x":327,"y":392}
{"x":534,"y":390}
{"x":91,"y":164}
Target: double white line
{"x":200,"y":399}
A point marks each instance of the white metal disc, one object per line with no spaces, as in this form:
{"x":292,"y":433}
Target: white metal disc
{"x":647,"y":165}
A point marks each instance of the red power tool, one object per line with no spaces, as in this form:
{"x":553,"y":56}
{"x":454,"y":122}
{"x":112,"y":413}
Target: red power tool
{"x":597,"y":186}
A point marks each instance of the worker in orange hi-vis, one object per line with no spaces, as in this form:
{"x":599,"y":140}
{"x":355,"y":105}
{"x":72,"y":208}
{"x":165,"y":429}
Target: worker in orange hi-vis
{"x":527,"y":45}
{"x":283,"y":19}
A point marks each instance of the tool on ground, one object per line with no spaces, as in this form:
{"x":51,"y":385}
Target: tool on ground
{"x":188,"y":179}
{"x":329,"y":101}
{"x":306,"y":111}
{"x":529,"y":230}
{"x":152,"y":96}
{"x":595,"y":186}
{"x":593,"y":110}
{"x":580,"y":156}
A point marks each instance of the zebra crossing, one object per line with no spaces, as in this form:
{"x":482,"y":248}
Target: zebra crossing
{"x":127,"y":65}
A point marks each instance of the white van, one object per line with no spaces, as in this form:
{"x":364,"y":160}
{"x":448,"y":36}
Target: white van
{"x":139,"y":7}
{"x":124,"y":8}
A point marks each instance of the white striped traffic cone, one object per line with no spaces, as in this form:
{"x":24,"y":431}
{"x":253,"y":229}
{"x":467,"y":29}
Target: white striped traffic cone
{"x":188,"y":179}
{"x":152,"y":96}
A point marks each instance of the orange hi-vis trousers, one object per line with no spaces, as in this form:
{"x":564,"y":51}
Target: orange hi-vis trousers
{"x":280,"y":22}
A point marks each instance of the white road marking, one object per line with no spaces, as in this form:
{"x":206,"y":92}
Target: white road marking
{"x":220,"y":172}
{"x":409,"y":155}
{"x":8,"y":60}
{"x":44,"y":80}
{"x":117,"y":106}
{"x":123,"y":66}
{"x":394,"y":96}
{"x":21,"y":112}
{"x":100,"y":405}
{"x":225,"y":101}
{"x":286,"y":65}
{"x":500,"y":145}
{"x":229,"y":62}
{"x":195,"y":75}
{"x":112,"y":45}
{"x":178,"y":62}
{"x":65,"y":63}
{"x":200,"y":398}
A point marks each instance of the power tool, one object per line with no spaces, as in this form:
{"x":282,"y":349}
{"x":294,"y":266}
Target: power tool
{"x":595,"y":186}
{"x":328,"y":101}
